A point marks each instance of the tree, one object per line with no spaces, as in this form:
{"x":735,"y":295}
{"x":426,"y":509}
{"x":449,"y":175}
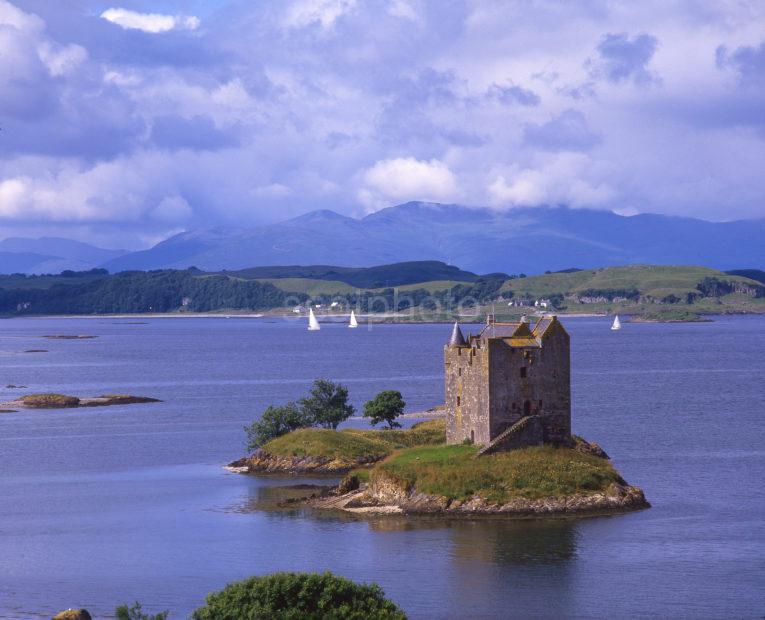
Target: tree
{"x":274,"y":422}
{"x":385,"y":407}
{"x":295,"y":596}
{"x":123,"y":612}
{"x":327,"y":405}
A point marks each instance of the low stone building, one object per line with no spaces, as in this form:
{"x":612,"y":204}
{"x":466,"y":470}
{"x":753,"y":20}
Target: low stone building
{"x":509,"y":386}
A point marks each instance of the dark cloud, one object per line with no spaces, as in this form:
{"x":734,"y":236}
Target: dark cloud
{"x":747,"y":61}
{"x":621,"y":59}
{"x":509,"y":95}
{"x":566,"y":132}
{"x":198,"y":133}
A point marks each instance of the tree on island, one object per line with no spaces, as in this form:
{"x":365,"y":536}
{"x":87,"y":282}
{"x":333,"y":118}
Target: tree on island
{"x":288,"y":596}
{"x":327,"y":405}
{"x":385,"y":407}
{"x":123,"y":612}
{"x":274,"y":422}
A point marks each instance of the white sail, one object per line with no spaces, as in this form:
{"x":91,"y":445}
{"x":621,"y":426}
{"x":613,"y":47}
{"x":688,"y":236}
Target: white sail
{"x":353,"y":322}
{"x":313,"y":324}
{"x":617,"y":323}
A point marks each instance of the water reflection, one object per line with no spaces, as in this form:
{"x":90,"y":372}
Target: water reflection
{"x":495,"y":539}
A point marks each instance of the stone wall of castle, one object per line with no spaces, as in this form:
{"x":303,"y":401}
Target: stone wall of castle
{"x":491,"y":386}
{"x":467,"y":396}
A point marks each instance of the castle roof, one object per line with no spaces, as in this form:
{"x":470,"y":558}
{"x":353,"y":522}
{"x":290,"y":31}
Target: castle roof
{"x":457,"y":338}
{"x":516,"y":334}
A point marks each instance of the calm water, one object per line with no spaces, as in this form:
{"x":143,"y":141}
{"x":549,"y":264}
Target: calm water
{"x":104,"y":506}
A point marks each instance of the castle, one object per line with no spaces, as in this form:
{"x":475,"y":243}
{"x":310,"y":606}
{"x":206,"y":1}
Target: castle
{"x":509,"y":386}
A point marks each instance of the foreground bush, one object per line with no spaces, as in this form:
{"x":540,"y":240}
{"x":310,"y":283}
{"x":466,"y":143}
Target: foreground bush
{"x":298,"y":596}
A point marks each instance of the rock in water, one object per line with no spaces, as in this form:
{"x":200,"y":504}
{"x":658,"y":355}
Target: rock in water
{"x":73,"y":614}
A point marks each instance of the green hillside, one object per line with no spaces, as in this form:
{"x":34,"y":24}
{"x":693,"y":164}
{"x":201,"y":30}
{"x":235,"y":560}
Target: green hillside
{"x":381,"y":276}
{"x":653,"y":280}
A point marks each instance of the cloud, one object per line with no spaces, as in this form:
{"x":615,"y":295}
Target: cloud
{"x":198,"y":133}
{"x":276,"y":108}
{"x":747,"y":61}
{"x":149,"y":22}
{"x":621,"y":59}
{"x":563,"y":179}
{"x":172,"y":209}
{"x":566,"y":132}
{"x":508,"y":95}
{"x":303,"y":13}
{"x":406,"y":178}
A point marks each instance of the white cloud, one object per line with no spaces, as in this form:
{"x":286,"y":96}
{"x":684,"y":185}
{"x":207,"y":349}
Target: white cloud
{"x":172,"y":209}
{"x":324,"y":12}
{"x":407,"y":178}
{"x":150,"y":22}
{"x":570,"y":179}
{"x":61,"y":59}
{"x":402,"y":9}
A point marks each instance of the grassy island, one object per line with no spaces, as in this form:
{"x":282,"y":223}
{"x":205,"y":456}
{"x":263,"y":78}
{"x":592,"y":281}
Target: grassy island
{"x":532,"y":473}
{"x":320,"y":450}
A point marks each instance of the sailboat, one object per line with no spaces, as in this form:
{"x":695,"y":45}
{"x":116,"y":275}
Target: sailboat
{"x":617,"y":323}
{"x":313,"y":324}
{"x":353,"y":322}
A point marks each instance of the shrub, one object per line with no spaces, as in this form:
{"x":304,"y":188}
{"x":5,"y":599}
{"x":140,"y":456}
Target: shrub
{"x":123,"y":612}
{"x":385,"y":407}
{"x":274,"y":422}
{"x":298,"y":596}
{"x":327,"y":405}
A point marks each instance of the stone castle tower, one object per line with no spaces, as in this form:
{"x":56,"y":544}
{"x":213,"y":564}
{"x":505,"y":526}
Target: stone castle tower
{"x":509,"y":386}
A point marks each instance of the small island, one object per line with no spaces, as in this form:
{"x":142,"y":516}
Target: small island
{"x":63,"y":401}
{"x":504,"y":447}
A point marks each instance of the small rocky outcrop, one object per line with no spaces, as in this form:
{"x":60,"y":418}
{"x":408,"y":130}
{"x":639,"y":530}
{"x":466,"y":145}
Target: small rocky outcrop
{"x":261,"y":462}
{"x":73,"y":614}
{"x":63,"y":401}
{"x":69,"y":337}
{"x":385,"y":496}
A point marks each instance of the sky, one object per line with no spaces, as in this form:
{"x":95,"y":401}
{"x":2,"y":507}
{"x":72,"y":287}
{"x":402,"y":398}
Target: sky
{"x":124,"y":122}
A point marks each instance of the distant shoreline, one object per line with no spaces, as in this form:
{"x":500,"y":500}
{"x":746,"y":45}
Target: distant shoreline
{"x":373,"y":318}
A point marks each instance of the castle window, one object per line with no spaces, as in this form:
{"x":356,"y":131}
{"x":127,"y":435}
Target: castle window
{"x":472,"y":436}
{"x":459,"y":372}
{"x":540,"y":404}
{"x":527,"y":408}
{"x":458,"y":401}
{"x":523,"y":372}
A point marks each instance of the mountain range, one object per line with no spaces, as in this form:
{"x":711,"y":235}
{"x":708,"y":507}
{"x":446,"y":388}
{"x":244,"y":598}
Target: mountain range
{"x":528,"y":240}
{"x":51,"y":255}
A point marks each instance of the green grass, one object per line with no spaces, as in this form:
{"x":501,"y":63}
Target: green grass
{"x":310,"y":287}
{"x":656,"y":280}
{"x":533,"y":473}
{"x":352,"y":444}
{"x":671,"y":316}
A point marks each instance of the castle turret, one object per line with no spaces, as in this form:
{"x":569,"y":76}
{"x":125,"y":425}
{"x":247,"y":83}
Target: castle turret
{"x":457,"y":339}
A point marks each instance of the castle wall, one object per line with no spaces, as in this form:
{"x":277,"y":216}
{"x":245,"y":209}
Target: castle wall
{"x":492,"y":386}
{"x":466,"y":399}
{"x":509,"y":391}
{"x":555,"y":383}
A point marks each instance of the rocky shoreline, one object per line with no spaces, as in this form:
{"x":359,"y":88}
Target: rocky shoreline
{"x":385,"y":497}
{"x":261,"y":462}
